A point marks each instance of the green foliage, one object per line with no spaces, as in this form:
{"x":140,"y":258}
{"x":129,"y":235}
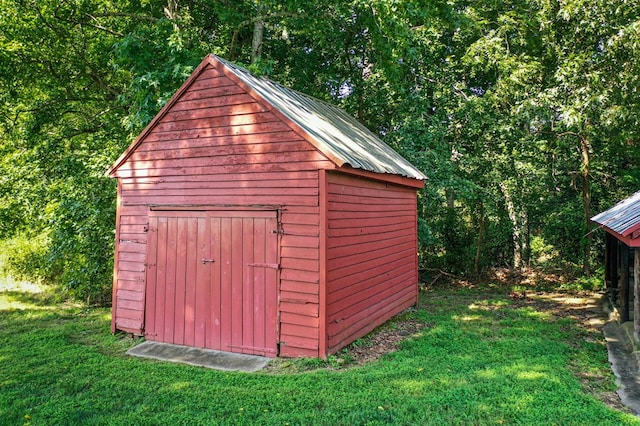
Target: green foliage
{"x":484,"y":359}
{"x":522,"y":114}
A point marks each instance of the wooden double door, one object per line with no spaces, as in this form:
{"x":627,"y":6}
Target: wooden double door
{"x":212,"y":280}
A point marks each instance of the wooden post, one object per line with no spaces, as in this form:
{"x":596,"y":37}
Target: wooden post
{"x":607,"y":262}
{"x":624,"y":283}
{"x":636,"y":293}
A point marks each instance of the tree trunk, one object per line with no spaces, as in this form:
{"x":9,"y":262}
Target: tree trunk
{"x":585,"y":148}
{"x":479,"y":240}
{"x":171,"y":12}
{"x":525,"y":238}
{"x":516,"y":235}
{"x":258,"y":35}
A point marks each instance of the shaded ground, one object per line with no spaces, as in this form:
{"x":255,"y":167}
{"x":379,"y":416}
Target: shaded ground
{"x":585,"y":308}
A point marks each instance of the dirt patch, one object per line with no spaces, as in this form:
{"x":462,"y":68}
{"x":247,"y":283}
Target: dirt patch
{"x":383,"y":341}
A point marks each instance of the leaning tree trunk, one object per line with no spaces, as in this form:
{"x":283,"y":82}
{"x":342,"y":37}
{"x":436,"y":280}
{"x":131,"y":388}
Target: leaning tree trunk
{"x":516,"y":234}
{"x":258,"y":35}
{"x":585,"y":148}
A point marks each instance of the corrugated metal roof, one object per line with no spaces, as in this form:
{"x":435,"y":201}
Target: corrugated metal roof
{"x":623,"y":217}
{"x":335,"y":131}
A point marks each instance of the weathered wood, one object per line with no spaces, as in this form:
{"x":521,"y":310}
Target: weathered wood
{"x":636,"y":293}
{"x":371,"y":255}
{"x":624,"y":283}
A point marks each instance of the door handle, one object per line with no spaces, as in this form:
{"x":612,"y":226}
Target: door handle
{"x":207,"y":261}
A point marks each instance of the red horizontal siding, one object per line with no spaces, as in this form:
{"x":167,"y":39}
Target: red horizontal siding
{"x":371,"y":255}
{"x":217,"y":147}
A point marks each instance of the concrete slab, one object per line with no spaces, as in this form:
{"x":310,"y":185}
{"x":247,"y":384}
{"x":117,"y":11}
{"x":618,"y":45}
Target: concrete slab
{"x":208,"y":358}
{"x":625,"y":363}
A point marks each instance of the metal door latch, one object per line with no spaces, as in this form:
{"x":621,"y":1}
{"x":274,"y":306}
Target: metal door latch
{"x":207,"y":261}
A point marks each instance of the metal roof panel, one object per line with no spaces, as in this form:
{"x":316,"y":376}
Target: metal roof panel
{"x":622,"y":218}
{"x":334,"y":131}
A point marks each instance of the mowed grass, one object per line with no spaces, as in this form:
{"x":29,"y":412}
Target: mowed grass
{"x":482,"y":359}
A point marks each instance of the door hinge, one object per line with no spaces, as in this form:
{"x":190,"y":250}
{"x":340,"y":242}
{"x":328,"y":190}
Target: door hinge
{"x":265,"y":265}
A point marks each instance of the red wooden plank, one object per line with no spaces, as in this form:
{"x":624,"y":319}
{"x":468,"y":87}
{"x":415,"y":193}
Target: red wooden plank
{"x":208,"y":72}
{"x":211,"y":132}
{"x":336,"y":198}
{"x":133,"y":229}
{"x":378,"y":288}
{"x":308,"y":309}
{"x":367,"y":320}
{"x":131,"y":257}
{"x":259,"y":285}
{"x":392,"y":263}
{"x":133,"y":305}
{"x":258,"y":146}
{"x":298,"y":330}
{"x":231,"y":160}
{"x":359,"y":240}
{"x":253,"y":115}
{"x":226,"y":200}
{"x":302,"y":276}
{"x":214,"y":329}
{"x":170,"y":281}
{"x":237,"y":273}
{"x":298,"y":287}
{"x":368,"y":190}
{"x":135,"y":286}
{"x":373,"y":230}
{"x":299,"y":297}
{"x":343,"y":282}
{"x":407,"y":252}
{"x":132,"y":242}
{"x":311,"y":265}
{"x":215,"y":145}
{"x":354,"y":313}
{"x":180,"y":282}
{"x":220,"y":86}
{"x":356,"y":222}
{"x":134,"y":314}
{"x":211,"y":183}
{"x":293,"y":352}
{"x":202,"y":284}
{"x":179,"y":170}
{"x":271,"y":285}
{"x":288,"y":317}
{"x":366,"y":211}
{"x":249,"y":245}
{"x":290,"y":218}
{"x":132,"y":276}
{"x":190,"y":281}
{"x":131,"y":247}
{"x":300,"y":253}
{"x":196,"y":108}
{"x":302,"y":229}
{"x":157,"y":332}
{"x":133,"y":220}
{"x":300,"y":241}
{"x":226,"y":282}
{"x":368,"y":246}
{"x":128,"y":325}
{"x":309,"y":342}
{"x":130,"y":295}
{"x":131,"y":266}
{"x":220,"y":192}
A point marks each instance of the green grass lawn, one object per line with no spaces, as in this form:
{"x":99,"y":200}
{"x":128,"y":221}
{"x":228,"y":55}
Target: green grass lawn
{"x":484,"y":358}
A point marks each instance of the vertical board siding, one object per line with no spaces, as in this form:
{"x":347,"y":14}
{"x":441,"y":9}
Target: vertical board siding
{"x":227,"y":306}
{"x":371,"y":255}
{"x":217,"y":147}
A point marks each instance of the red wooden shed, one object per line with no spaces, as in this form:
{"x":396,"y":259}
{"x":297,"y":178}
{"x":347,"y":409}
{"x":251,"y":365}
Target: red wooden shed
{"x":254,"y":219}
